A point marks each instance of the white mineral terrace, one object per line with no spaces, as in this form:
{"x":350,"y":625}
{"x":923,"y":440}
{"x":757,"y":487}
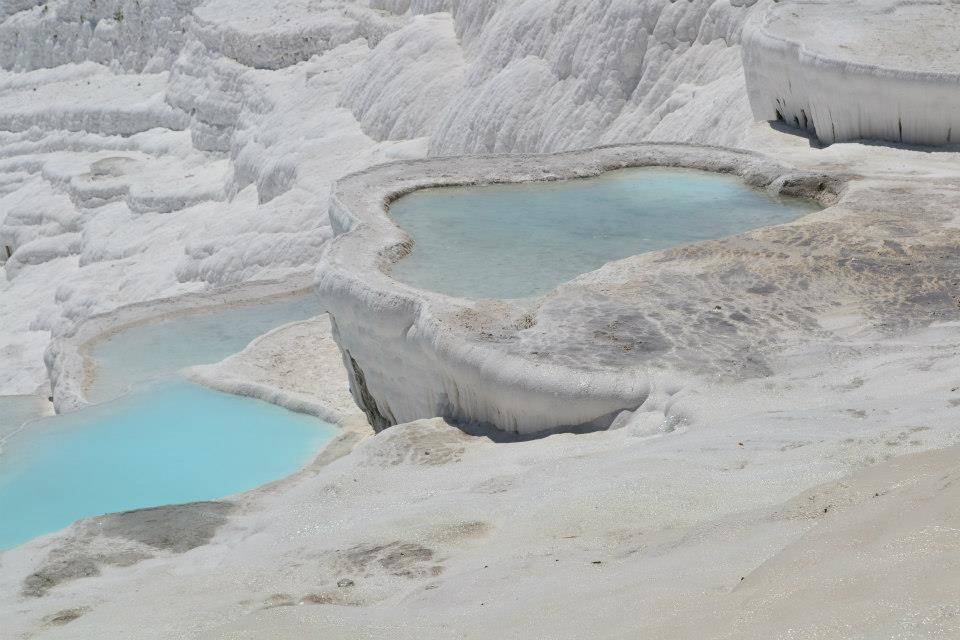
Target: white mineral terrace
{"x":767,"y":442}
{"x":416,"y":354}
{"x":847,"y":70}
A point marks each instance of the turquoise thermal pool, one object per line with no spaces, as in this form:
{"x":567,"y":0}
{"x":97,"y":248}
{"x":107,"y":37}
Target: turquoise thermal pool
{"x":163,"y":440}
{"x":520,"y":240}
{"x":168,"y":443}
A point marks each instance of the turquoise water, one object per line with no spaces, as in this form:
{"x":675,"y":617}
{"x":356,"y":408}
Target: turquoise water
{"x":169,"y":443}
{"x":155,"y":438}
{"x":17,"y":410}
{"x":519,"y":240}
{"x":150,"y":351}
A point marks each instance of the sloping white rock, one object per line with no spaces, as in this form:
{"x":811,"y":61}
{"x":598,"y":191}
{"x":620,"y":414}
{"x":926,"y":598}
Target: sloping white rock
{"x":401,"y":87}
{"x":557,"y":74}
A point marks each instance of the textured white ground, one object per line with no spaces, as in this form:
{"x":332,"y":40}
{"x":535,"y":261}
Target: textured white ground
{"x":200,"y":155}
{"x":297,"y":365}
{"x":739,"y":525}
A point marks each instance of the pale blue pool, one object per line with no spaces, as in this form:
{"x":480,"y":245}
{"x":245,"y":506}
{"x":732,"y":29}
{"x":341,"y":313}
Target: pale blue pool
{"x":149,"y":351}
{"x":519,"y":240}
{"x":17,"y":410}
{"x":166,"y":441}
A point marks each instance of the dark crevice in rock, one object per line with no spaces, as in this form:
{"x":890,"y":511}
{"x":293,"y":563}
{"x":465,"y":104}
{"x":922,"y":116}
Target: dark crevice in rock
{"x":365,"y":399}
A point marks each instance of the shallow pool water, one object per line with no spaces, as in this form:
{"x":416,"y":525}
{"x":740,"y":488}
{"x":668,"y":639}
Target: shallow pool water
{"x":168,"y":443}
{"x":149,"y":351}
{"x":519,"y":240}
{"x":153,"y":438}
{"x":17,"y":410}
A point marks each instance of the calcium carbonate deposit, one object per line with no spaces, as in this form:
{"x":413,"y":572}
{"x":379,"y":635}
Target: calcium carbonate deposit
{"x":155,"y":148}
{"x":885,"y":70}
{"x":749,"y":436}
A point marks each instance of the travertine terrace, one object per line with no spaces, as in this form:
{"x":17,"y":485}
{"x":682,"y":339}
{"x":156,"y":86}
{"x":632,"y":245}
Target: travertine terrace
{"x":578,"y":358}
{"x":845,"y":70}
{"x":763,"y":441}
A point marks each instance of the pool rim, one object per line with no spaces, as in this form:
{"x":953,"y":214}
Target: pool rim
{"x":388,"y":269}
{"x":411,"y":323}
{"x":71,"y":367}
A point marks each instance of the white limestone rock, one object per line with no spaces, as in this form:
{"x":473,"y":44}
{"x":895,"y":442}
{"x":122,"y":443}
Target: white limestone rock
{"x":102,"y":103}
{"x":238,"y":125}
{"x":558,"y":74}
{"x":853,"y":70}
{"x":401,"y":87}
{"x":297,"y":366}
{"x":278,"y":33}
{"x":136,"y":35}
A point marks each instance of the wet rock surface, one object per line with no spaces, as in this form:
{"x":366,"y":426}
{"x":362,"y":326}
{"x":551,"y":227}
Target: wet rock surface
{"x":124,"y":539}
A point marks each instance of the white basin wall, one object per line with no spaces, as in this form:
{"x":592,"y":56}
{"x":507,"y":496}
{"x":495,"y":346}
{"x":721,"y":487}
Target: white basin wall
{"x":836,"y":99}
{"x":405,"y":365}
{"x":407,"y":351}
